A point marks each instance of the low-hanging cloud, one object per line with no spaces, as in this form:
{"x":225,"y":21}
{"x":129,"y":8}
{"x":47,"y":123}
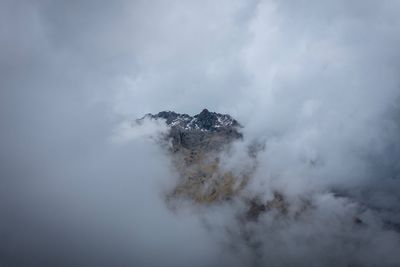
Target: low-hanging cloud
{"x":316,"y":83}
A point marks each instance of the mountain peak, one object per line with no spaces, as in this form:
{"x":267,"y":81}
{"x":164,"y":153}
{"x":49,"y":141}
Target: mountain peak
{"x":209,"y":130}
{"x":204,"y":111}
{"x":196,"y":143}
{"x":204,"y":121}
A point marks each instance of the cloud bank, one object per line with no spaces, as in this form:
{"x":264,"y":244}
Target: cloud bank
{"x":317,"y":83}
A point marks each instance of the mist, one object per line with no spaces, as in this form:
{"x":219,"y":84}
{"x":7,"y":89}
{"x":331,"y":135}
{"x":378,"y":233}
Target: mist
{"x":315,"y":83}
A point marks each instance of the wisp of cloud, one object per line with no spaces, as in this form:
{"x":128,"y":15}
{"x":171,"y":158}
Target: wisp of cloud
{"x":315,"y":84}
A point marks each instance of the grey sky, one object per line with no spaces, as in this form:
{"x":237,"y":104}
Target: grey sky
{"x":316,"y":80}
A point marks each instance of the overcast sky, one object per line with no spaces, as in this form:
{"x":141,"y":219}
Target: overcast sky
{"x":317,"y":81}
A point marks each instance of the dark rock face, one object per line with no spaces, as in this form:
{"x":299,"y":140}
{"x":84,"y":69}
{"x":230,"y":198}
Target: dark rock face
{"x":206,"y":119}
{"x":206,"y":130}
{"x":195,"y":146}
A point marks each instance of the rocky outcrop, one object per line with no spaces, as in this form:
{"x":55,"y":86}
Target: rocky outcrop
{"x":195,"y":144}
{"x":205,"y":131}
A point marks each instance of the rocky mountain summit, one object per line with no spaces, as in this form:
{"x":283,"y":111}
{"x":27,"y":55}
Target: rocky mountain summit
{"x":204,"y":121}
{"x":206,"y":130}
{"x":196,"y":144}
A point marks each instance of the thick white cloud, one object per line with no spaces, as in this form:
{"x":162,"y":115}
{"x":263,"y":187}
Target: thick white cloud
{"x":318,"y":82}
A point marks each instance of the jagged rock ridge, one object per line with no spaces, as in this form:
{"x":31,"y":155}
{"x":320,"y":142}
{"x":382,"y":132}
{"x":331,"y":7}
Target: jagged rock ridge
{"x":204,"y":121}
{"x":206,"y":130}
{"x":196,"y":143}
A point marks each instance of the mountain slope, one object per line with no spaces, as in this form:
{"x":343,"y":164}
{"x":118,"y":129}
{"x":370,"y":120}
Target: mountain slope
{"x":196,"y":143}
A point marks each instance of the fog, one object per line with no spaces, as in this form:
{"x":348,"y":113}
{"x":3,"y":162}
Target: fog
{"x":317,"y":83}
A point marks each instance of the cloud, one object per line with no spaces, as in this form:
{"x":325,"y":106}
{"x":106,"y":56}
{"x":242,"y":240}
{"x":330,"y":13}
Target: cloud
{"x":145,"y":128}
{"x":317,"y":82}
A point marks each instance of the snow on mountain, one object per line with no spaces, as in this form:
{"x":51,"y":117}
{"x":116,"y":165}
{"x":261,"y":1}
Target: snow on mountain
{"x":204,"y":121}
